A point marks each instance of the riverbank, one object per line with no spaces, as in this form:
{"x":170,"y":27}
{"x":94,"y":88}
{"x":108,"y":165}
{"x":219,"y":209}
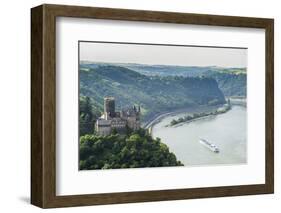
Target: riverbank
{"x":192,"y":109}
{"x":196,"y":116}
{"x":241,"y":101}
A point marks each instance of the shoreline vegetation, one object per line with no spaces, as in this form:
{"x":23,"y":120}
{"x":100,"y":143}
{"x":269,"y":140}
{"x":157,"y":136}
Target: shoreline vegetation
{"x":234,"y":100}
{"x":195,"y":116}
{"x":191,"y":109}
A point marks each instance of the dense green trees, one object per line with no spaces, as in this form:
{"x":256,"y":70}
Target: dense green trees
{"x":135,"y":150}
{"x":87,"y":115}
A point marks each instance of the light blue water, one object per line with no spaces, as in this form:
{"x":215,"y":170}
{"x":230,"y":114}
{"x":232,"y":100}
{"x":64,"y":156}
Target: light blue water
{"x":228,"y":131}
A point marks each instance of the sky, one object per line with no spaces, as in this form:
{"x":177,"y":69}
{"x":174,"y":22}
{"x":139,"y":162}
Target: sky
{"x":162,"y":54}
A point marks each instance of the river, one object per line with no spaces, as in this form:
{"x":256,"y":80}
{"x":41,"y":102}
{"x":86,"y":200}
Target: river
{"x":228,"y":131}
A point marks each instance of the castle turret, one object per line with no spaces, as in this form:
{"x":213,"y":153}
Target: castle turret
{"x":109,"y":107}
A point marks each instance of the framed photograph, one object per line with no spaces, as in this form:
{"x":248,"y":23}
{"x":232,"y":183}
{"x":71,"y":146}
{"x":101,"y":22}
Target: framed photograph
{"x":137,"y":106}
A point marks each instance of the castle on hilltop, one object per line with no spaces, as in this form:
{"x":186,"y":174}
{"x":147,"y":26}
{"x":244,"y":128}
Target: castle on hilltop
{"x":119,"y":121}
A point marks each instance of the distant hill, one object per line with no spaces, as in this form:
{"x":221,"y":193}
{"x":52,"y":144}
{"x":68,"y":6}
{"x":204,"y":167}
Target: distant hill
{"x":232,"y":84}
{"x":155,"y":94}
{"x":232,"y":81}
{"x":153,"y":70}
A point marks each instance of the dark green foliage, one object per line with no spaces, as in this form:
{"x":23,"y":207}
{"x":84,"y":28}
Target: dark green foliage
{"x":87,"y":115}
{"x":156,"y":94}
{"x":136,"y":150}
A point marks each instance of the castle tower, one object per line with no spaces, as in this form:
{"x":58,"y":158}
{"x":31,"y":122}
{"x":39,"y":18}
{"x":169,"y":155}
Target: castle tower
{"x":109,"y":107}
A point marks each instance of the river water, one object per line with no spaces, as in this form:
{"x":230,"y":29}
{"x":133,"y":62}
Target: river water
{"x":228,"y":131}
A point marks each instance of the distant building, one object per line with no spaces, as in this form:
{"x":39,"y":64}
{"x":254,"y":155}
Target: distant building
{"x":119,"y":121}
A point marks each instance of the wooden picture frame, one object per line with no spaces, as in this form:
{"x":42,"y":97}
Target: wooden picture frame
{"x":43,"y":105}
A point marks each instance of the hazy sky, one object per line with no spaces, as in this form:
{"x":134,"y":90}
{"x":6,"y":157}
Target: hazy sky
{"x":165,"y":55}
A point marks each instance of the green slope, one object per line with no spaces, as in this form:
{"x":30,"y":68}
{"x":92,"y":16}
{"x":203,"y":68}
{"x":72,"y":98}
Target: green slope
{"x":155,"y":94}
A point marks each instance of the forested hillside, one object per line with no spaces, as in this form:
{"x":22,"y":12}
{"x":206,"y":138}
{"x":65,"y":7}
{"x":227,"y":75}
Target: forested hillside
{"x":155,"y":94}
{"x":134,"y":150}
{"x":232,"y":81}
{"x":231,"y":84}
